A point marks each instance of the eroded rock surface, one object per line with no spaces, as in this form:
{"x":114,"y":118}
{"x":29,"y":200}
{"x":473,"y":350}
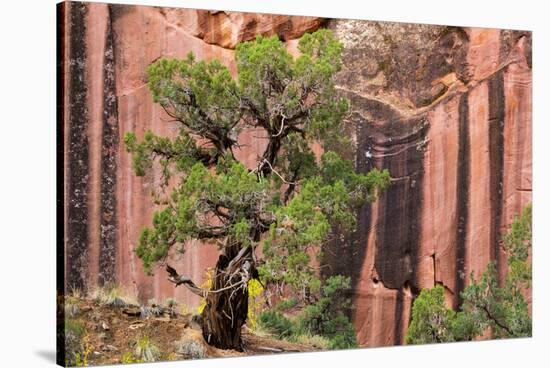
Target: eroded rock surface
{"x":447,"y":110}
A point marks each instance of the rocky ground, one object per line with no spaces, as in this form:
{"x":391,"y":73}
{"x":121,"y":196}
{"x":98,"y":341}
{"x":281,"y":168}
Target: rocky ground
{"x":118,"y":332}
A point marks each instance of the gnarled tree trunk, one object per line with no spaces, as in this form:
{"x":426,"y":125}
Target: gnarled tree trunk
{"x":226,"y":307}
{"x":226,"y":311}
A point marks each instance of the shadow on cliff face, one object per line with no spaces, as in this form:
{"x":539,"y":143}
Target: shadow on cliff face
{"x":395,"y":76}
{"x":397,"y":145}
{"x":399,"y":210}
{"x":390,"y":76}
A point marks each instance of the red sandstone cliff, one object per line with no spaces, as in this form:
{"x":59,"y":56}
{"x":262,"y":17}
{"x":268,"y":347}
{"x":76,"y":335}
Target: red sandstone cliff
{"x":446,"y":110}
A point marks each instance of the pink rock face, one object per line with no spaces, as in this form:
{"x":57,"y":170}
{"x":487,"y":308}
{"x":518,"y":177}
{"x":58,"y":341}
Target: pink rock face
{"x":443,"y":215}
{"x":227,"y":29}
{"x":134,"y":37}
{"x":446,"y":110}
{"x":437,"y":261}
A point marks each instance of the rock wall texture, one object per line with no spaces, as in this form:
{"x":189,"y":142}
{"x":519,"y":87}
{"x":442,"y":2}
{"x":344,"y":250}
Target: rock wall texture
{"x":447,"y":110}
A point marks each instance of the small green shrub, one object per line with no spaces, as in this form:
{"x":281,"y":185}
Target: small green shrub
{"x":77,"y":347}
{"x":287,"y":304}
{"x":316,"y":341}
{"x":172,"y":306}
{"x":152,"y":309}
{"x":430,"y":318}
{"x":71,"y":307}
{"x":111,"y":295}
{"x":128,"y":358}
{"x":486,"y":305}
{"x":171,"y":303}
{"x":327,"y":316}
{"x":325,"y":320}
{"x":145,"y":350}
{"x":81,"y":358}
{"x":76,"y":293}
{"x":276,"y":323}
{"x":191,"y":349}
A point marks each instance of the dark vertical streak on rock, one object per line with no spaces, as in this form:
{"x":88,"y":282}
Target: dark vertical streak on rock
{"x":345,"y":254}
{"x":60,"y":170}
{"x":462,"y":194}
{"x":361,"y":235}
{"x":117,"y":11}
{"x":496,"y":159}
{"x":400,"y":210}
{"x":109,"y":150}
{"x":77,"y":208}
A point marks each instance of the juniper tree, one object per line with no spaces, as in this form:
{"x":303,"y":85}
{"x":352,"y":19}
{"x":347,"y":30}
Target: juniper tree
{"x":486,"y":305}
{"x":288,"y":202}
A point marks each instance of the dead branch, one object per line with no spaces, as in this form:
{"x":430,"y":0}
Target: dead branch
{"x":276,"y":173}
{"x":177,"y":279}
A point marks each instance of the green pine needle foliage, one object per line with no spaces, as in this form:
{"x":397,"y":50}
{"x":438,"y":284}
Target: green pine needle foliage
{"x":486,"y":305}
{"x":291,"y":201}
{"x":326,"y":318}
{"x":294,"y":197}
